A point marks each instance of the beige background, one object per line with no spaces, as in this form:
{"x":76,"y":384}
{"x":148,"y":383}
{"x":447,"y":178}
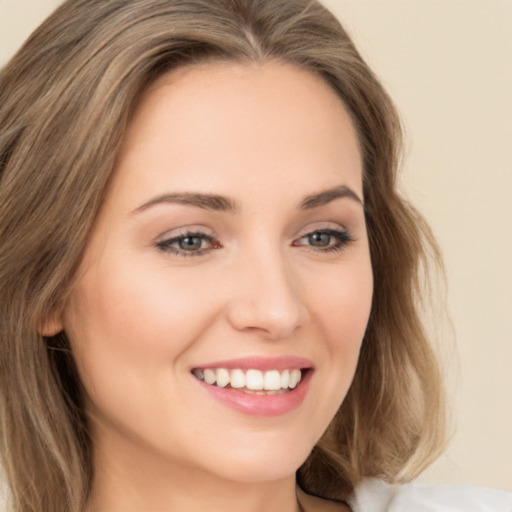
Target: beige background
{"x":448,"y":65}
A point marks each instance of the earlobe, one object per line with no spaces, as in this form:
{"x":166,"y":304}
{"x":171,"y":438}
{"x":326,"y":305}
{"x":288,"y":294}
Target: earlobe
{"x":51,"y":326}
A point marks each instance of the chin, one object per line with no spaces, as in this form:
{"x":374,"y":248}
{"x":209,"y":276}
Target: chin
{"x":249,"y":472}
{"x":262,"y":461}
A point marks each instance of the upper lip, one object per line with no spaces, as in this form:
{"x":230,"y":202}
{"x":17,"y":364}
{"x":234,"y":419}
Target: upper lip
{"x":260,"y":363}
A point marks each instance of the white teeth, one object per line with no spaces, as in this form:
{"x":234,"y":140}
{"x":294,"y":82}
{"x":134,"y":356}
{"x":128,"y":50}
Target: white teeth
{"x":237,"y":379}
{"x":254,"y":379}
{"x":222,"y":377}
{"x":272,"y":380}
{"x":251,"y":380}
{"x":294,"y":378}
{"x":209,"y":376}
{"x":285,"y":379}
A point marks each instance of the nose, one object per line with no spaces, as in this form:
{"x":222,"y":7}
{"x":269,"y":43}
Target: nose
{"x":267,"y":298}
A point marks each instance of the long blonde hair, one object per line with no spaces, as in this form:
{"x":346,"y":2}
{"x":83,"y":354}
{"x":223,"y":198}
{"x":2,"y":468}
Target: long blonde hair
{"x":65,"y":101}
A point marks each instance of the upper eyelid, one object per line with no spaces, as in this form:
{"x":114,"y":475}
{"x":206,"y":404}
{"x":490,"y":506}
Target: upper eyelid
{"x":211,"y":235}
{"x":337,"y":233}
{"x":324,"y":229}
{"x":337,"y":228}
{"x":183,"y":232}
{"x":200,"y":234}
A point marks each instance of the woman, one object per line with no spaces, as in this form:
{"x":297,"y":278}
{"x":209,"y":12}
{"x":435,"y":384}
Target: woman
{"x":209,"y":281}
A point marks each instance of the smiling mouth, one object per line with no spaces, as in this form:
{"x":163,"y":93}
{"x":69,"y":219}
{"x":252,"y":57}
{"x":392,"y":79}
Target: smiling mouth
{"x":251,"y":381}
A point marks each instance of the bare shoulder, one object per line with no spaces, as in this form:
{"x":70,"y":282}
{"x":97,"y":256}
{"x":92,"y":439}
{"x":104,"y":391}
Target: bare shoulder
{"x":313,"y":504}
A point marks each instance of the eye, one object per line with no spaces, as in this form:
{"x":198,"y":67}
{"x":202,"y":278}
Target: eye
{"x":189,"y":244}
{"x":326,"y":240}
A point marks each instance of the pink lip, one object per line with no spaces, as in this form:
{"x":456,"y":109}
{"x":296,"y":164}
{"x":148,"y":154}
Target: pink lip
{"x":261,"y":363}
{"x":261,"y":405}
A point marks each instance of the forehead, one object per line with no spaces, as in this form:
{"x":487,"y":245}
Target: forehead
{"x":230,"y":90}
{"x":216,"y":124}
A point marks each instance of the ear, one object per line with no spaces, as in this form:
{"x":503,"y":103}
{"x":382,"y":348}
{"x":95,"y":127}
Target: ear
{"x":51,"y":326}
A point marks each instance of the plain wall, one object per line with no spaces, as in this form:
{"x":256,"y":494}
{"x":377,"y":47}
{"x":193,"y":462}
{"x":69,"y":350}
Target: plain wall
{"x":448,"y":65}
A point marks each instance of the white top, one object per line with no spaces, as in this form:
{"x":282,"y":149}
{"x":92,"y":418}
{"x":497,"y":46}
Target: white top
{"x":376,"y":496}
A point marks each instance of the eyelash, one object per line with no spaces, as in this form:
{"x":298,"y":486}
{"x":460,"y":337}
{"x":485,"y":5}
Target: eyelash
{"x":166,"y":245}
{"x":343,"y":237}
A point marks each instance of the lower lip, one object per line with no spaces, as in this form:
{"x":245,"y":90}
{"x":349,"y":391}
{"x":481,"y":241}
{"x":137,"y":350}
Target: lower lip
{"x":260,"y":405}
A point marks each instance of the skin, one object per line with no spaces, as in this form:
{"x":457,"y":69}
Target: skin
{"x":140,"y":317}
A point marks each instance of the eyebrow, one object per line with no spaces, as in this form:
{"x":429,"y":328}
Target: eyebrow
{"x":219,"y":203}
{"x":325,"y":197}
{"x":206,"y":201}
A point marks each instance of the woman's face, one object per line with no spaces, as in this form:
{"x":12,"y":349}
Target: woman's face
{"x":232,"y":247}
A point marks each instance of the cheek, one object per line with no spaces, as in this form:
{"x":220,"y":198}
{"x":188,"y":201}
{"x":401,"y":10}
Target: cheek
{"x":341,"y":310}
{"x":342,"y":305}
{"x":126,"y":325}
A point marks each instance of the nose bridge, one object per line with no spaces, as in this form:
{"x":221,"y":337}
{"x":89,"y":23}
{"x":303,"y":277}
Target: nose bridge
{"x":267,"y":297}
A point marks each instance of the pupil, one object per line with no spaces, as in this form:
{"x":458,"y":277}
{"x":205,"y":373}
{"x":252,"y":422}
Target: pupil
{"x":190,"y":243}
{"x":320,"y":239}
